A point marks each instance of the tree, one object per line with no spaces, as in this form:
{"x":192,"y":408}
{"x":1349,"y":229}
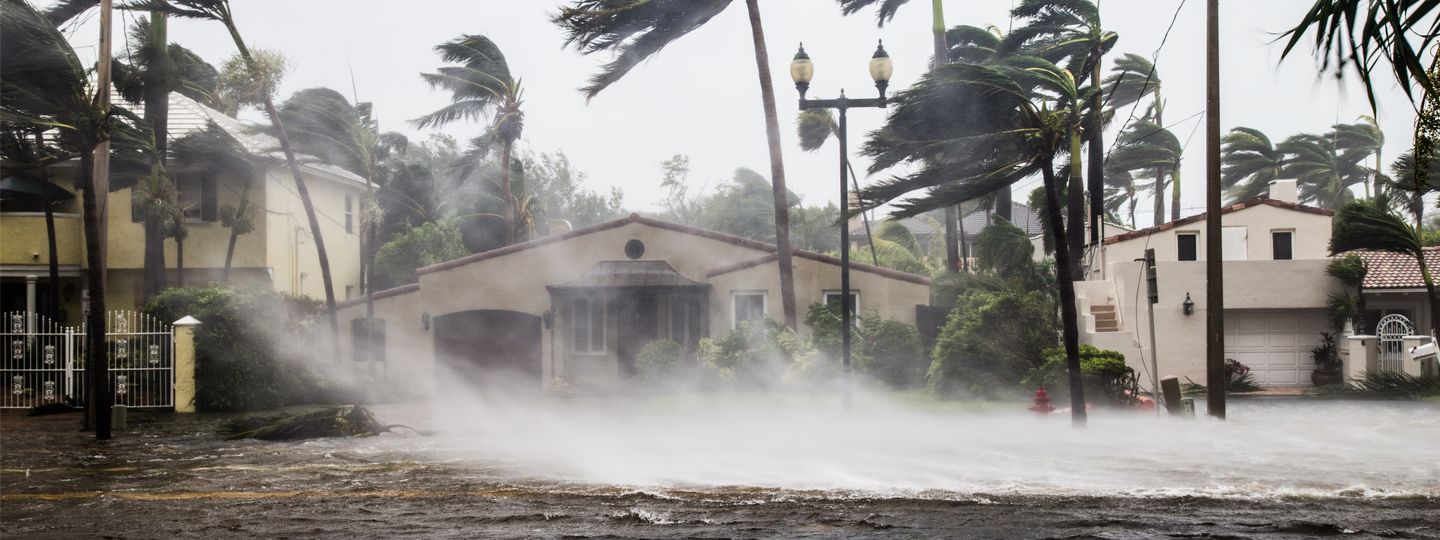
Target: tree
{"x":1322,"y":170}
{"x":1351,"y":271}
{"x":637,"y":30}
{"x":1249,"y":163}
{"x":1369,"y":224}
{"x":1023,"y":110}
{"x":214,"y":151}
{"x":744,"y":207}
{"x":1146,"y":149}
{"x":481,"y":86}
{"x":1360,"y":33}
{"x":1135,"y":79}
{"x":430,"y":243}
{"x":679,"y":206}
{"x":263,"y":78}
{"x":1363,"y":137}
{"x":1406,"y":187}
{"x":561,"y":193}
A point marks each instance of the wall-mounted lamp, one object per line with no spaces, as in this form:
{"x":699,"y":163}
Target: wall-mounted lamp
{"x":1189,"y":305}
{"x":425,"y":320}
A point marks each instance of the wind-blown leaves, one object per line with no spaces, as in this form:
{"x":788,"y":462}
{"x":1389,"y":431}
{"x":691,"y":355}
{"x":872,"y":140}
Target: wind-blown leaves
{"x":633,"y":30}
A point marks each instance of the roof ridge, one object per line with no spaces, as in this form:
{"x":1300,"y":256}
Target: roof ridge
{"x":1225,"y":210}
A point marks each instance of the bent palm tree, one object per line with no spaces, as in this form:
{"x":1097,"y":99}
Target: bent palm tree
{"x":482,"y":86}
{"x":1369,"y":224}
{"x":1249,"y":162}
{"x":1324,"y":173}
{"x":1013,"y":133}
{"x":1147,"y":150}
{"x":637,"y":30}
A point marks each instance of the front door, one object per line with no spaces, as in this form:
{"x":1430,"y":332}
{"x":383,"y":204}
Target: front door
{"x":637,"y":323}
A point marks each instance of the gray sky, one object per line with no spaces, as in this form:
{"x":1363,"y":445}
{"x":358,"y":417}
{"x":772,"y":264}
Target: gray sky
{"x":700,"y":96}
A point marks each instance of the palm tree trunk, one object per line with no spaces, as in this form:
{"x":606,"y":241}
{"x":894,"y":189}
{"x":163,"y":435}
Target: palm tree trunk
{"x":954,"y":239}
{"x":157,"y":113}
{"x":1175,"y":193}
{"x":1075,"y":227}
{"x":1159,"y":189}
{"x":239,"y":212}
{"x":1068,"y":316}
{"x":52,"y":303}
{"x":777,"y":168}
{"x":97,"y":365}
{"x":509,"y":197}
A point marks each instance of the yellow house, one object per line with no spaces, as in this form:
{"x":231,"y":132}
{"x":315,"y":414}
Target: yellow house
{"x":280,"y":252}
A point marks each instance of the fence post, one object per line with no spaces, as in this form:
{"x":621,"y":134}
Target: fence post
{"x":185,"y":364}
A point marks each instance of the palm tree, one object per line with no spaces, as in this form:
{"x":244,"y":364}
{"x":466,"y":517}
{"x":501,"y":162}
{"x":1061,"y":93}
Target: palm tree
{"x":1351,"y":271}
{"x":324,"y":124}
{"x":1369,"y":224}
{"x":219,"y":11}
{"x":1025,"y":109}
{"x":1407,"y":188}
{"x":1134,"y":80}
{"x":635,"y":31}
{"x":1359,"y":33}
{"x":1147,"y":150}
{"x":481,"y":86}
{"x":1365,"y":137}
{"x":1121,"y":191}
{"x":1323,"y":172}
{"x":1071,"y":29}
{"x":1249,"y":162}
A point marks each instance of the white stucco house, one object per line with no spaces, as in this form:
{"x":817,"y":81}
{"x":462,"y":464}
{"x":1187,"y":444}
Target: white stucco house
{"x":575,"y":307}
{"x":1275,"y":254}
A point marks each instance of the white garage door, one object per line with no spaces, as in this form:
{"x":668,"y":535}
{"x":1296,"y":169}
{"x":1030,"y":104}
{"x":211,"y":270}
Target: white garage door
{"x":1274,"y":343}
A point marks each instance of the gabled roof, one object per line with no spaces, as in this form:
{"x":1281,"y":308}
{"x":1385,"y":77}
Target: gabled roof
{"x":1397,"y":270}
{"x":1233,"y":208}
{"x":187,"y":115}
{"x":684,"y":229}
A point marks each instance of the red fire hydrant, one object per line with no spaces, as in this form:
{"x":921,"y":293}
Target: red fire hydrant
{"x":1042,"y":405}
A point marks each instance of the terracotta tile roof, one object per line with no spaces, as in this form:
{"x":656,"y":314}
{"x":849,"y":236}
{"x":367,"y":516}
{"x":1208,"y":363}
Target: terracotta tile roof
{"x":1397,"y":270}
{"x":1233,"y":208}
{"x":387,"y":293}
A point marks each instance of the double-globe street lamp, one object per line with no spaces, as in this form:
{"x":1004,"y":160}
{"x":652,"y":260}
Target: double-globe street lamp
{"x":802,"y":70}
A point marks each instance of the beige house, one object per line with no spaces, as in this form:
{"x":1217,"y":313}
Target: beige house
{"x":279,"y":253}
{"x":1275,"y":253}
{"x":576,"y":307}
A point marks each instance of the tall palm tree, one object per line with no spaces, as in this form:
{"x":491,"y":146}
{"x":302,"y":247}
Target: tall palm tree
{"x":219,"y":11}
{"x":1134,"y":79}
{"x":481,"y":86}
{"x":1323,"y":171}
{"x":1359,"y":33}
{"x":1369,"y":224}
{"x":1144,"y":150}
{"x":1365,"y":137}
{"x":1024,"y":110}
{"x":323,"y":124}
{"x":1121,"y":192}
{"x":1407,"y":188}
{"x":636,"y":30}
{"x":1249,"y":162}
{"x":1071,"y":30}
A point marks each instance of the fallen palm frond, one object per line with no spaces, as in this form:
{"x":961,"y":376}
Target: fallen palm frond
{"x":1387,"y":385}
{"x":1246,"y":383}
{"x":342,"y":421}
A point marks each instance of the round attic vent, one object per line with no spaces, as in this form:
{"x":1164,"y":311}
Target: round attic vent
{"x":634,"y":249}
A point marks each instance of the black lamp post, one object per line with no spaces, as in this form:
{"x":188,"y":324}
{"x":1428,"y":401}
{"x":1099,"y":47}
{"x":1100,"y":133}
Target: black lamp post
{"x":802,"y":70}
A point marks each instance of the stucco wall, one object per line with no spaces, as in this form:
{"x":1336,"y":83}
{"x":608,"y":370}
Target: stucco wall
{"x":290,"y":249}
{"x":24,"y":235}
{"x":891,"y":298}
{"x":409,"y":347}
{"x":1310,"y":241}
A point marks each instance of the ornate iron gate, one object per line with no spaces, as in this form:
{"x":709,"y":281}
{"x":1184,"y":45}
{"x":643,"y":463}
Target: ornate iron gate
{"x":44,"y":362}
{"x":1392,"y":330}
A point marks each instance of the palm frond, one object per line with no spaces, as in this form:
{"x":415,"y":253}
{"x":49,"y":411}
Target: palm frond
{"x":632,"y":30}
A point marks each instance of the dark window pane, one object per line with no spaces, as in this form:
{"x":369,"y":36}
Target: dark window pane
{"x":1282,"y":242}
{"x":580,"y":323}
{"x":209,"y":199}
{"x":1189,"y":246}
{"x":597,"y":325}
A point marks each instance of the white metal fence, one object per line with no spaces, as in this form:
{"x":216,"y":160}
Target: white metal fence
{"x":1392,"y":330}
{"x":44,"y":362}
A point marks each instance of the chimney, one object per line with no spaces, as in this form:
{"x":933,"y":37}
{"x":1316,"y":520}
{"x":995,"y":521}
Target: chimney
{"x":1284,"y":191}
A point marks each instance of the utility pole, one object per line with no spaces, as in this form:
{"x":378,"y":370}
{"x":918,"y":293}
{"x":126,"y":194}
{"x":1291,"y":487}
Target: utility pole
{"x":97,"y":367}
{"x":953,"y":237}
{"x":1214,"y":265}
{"x":1153,"y":287}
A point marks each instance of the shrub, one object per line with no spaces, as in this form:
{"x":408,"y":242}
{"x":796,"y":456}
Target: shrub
{"x":1108,"y":381}
{"x":990,"y":344}
{"x":658,"y":360}
{"x":893,"y":348}
{"x":249,"y":346}
{"x":430,"y":243}
{"x":756,"y":353}
{"x":824,"y":322}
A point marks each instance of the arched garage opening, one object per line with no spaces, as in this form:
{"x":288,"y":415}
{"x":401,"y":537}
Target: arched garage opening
{"x":491,"y":349}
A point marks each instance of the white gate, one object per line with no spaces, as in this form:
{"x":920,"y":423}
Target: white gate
{"x":1392,"y":330}
{"x":44,"y":362}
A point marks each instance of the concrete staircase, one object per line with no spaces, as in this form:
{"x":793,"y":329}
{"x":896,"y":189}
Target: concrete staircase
{"x":1106,"y":320}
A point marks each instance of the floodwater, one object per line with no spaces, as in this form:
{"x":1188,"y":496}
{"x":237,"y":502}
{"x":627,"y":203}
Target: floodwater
{"x":742,"y":467}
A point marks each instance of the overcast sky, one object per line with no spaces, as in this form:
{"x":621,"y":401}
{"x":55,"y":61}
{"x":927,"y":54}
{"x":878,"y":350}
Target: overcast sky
{"x":700,"y":96}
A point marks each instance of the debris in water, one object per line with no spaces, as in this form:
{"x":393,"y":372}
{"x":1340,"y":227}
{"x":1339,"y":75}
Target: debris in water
{"x":342,"y":421}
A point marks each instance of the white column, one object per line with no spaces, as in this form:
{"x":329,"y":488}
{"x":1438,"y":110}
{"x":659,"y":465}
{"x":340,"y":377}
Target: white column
{"x":1362,"y":357}
{"x":30,"y":303}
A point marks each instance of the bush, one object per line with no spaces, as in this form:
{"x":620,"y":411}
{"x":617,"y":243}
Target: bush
{"x":249,"y":347}
{"x":658,"y":360}
{"x":1108,"y":381}
{"x":896,"y":357}
{"x":755,"y":354}
{"x":824,"y":322}
{"x":991,"y":343}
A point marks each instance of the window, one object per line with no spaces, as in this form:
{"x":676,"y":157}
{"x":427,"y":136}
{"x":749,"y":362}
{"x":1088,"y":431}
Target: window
{"x":587,"y":317}
{"x":686,"y":319}
{"x":197,"y":196}
{"x":349,"y":214}
{"x":1189,"y":246}
{"x":834,"y":296}
{"x":1282,"y":244}
{"x":748,"y":306}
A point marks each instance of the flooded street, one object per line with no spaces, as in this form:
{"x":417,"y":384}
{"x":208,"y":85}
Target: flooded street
{"x":741,"y":467}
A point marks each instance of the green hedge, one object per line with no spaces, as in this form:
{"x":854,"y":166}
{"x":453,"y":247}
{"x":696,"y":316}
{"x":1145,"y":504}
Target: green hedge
{"x":250,"y":346}
{"x":1108,"y":381}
